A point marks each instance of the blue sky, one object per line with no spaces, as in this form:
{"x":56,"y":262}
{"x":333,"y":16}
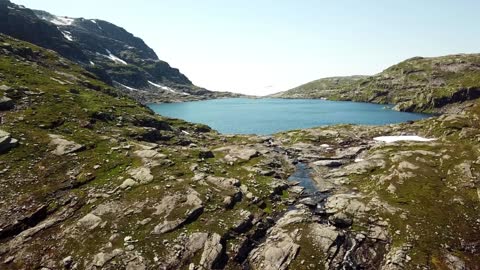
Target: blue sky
{"x":261,"y":47}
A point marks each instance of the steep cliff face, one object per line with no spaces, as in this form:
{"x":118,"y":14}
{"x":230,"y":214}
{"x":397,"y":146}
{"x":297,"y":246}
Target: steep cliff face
{"x":417,"y":84}
{"x":116,"y":56}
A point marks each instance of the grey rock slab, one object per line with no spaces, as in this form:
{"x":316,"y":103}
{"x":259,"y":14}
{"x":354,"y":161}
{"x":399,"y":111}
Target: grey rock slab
{"x":63,"y":146}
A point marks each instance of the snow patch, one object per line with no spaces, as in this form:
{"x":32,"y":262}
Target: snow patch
{"x":95,"y":22}
{"x":167,"y":88}
{"x":128,"y":87}
{"x":67,"y":35}
{"x":92,"y":63}
{"x":59,"y":20}
{"x":390,"y":139}
{"x":114,"y":58}
{"x":162,"y":87}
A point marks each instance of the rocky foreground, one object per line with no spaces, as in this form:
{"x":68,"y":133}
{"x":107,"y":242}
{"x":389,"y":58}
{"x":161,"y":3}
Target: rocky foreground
{"x":90,"y":179}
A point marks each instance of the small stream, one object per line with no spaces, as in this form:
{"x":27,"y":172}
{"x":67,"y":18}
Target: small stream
{"x":316,"y":203}
{"x":302,"y":175}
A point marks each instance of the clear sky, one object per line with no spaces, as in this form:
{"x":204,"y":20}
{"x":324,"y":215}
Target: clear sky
{"x":261,"y":47}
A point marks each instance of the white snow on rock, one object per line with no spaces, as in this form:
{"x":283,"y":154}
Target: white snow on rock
{"x":128,"y":87}
{"x":113,"y":58}
{"x":167,"y":88}
{"x":92,"y":63}
{"x":67,"y":35}
{"x":95,"y":22}
{"x":162,"y":87}
{"x":60,"y":20}
{"x":390,"y":139}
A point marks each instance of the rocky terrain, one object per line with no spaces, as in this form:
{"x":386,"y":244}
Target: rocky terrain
{"x":117,"y":57}
{"x":418,"y":84}
{"x":91,"y":179}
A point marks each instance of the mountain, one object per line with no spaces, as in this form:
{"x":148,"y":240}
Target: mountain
{"x":418,"y":84}
{"x":116,"y":56}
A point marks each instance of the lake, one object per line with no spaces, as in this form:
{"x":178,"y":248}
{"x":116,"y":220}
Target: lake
{"x":269,"y":115}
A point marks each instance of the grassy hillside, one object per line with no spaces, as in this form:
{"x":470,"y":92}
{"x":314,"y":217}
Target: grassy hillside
{"x":417,"y":84}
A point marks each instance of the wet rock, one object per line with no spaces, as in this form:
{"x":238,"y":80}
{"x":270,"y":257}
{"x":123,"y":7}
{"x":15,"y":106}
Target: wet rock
{"x":63,"y":146}
{"x":296,"y":189}
{"x":6,"y":142}
{"x":212,"y":252}
{"x":308,"y":201}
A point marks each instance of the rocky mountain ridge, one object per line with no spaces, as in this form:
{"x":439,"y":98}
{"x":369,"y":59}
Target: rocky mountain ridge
{"x":116,"y":56}
{"x":418,"y":84}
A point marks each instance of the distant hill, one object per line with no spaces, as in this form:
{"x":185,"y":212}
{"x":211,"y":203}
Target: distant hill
{"x":417,"y":84}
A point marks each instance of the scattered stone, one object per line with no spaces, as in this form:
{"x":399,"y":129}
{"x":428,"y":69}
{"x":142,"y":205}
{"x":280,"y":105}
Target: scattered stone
{"x":142,"y":174}
{"x":324,"y":235}
{"x":90,"y":221}
{"x":128,"y":183}
{"x":9,"y":260}
{"x":236,"y":153}
{"x":6,"y":142}
{"x":212,"y":251}
{"x":206,"y":154}
{"x":6,"y":104}
{"x":340,"y":220}
{"x":330,"y":163}
{"x":67,"y":262}
{"x":63,"y":146}
{"x":100,"y":259}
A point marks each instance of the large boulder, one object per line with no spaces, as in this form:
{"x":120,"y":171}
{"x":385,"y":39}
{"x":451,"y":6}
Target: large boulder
{"x":212,"y":252}
{"x":6,"y":104}
{"x":63,"y":146}
{"x":6,"y":142}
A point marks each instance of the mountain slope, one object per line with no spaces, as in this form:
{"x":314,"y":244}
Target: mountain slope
{"x":70,"y":145}
{"x":90,"y":179}
{"x":417,"y":84}
{"x":113,"y":54}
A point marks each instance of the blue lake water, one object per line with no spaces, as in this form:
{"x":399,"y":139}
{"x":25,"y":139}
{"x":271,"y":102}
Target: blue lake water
{"x":268,"y":116}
